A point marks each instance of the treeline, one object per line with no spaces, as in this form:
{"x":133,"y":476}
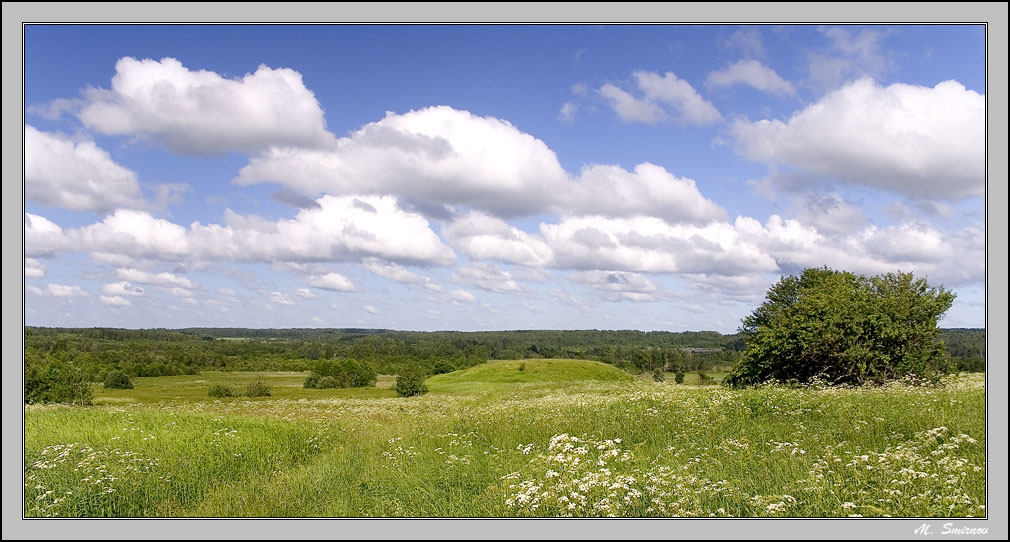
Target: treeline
{"x":94,"y":352}
{"x":966,"y":348}
{"x":162,"y":352}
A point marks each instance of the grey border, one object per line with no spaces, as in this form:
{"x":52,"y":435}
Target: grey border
{"x":15,"y":13}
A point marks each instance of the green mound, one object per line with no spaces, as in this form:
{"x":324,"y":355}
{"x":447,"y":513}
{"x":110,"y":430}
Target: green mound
{"x":534,"y":370}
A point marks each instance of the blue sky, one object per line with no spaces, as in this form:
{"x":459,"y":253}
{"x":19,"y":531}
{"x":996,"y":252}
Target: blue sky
{"x":492,"y":177}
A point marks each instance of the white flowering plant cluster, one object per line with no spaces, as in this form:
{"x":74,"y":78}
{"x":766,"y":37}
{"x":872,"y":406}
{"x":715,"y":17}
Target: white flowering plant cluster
{"x":95,"y":475}
{"x":575,"y":479}
{"x":935,"y":471}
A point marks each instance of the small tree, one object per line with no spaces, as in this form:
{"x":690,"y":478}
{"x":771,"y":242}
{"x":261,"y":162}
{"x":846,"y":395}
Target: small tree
{"x":116,"y":379}
{"x":657,"y":374}
{"x":410,"y":382}
{"x":844,"y":329}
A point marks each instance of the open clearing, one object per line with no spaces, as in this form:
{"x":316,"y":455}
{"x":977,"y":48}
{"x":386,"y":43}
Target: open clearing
{"x":559,"y":437}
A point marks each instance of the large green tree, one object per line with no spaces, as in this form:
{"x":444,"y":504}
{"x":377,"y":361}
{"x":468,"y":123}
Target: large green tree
{"x":844,"y":329}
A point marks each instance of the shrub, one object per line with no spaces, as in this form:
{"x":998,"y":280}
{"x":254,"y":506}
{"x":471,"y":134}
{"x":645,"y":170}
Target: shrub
{"x":522,"y":366}
{"x":410,"y":382}
{"x":704,"y":378}
{"x":312,"y":381}
{"x":327,"y":383}
{"x":442,"y":366}
{"x":220,"y":390}
{"x":678,"y":377}
{"x":55,"y":378}
{"x":258,"y":388}
{"x":658,"y":375}
{"x":349,"y":373}
{"x":843,"y":328}
{"x":116,"y":379}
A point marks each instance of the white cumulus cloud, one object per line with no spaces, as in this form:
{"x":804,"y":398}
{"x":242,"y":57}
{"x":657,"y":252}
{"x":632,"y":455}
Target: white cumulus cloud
{"x":342,"y":229}
{"x":136,"y":234}
{"x":200,"y":112}
{"x":281,"y":299}
{"x":62,"y":290}
{"x":75,"y":175}
{"x":648,"y":244}
{"x":462,"y":296}
{"x":484,"y":237}
{"x":436,"y":155}
{"x":918,"y":141}
{"x":166,"y":280}
{"x":34,"y":269}
{"x":43,"y":237}
{"x":649,"y":190}
{"x":397,"y":273}
{"x":752,"y":73}
{"x":664,"y":98}
{"x":330,"y":281}
{"x":486,"y":276}
{"x":630,"y":108}
{"x":115,"y":301}
{"x":118,"y":289}
{"x":618,"y":285}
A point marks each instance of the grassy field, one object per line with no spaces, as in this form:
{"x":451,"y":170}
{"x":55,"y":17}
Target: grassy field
{"x":510,"y":438}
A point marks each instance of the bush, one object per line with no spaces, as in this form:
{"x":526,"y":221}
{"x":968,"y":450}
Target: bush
{"x":442,"y":366}
{"x":312,"y":381}
{"x":220,"y":390}
{"x":349,"y":373}
{"x":410,"y":382}
{"x":116,"y":379}
{"x":678,"y":377}
{"x":327,"y":383}
{"x":841,"y":328}
{"x":704,"y":378}
{"x":55,"y":379}
{"x":658,"y":375}
{"x":258,"y":388}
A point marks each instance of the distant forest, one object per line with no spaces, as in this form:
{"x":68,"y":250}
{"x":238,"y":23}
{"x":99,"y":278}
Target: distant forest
{"x":165,"y":352}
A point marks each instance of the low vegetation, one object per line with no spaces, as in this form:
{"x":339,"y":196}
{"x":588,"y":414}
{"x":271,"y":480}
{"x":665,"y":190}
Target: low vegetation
{"x":561,"y":437}
{"x":219,"y":391}
{"x":258,"y":388}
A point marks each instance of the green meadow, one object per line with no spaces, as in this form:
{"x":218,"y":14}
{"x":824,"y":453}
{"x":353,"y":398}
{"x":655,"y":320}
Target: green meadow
{"x":510,"y":438}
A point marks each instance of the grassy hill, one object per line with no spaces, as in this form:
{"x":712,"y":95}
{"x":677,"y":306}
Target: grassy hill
{"x":533,"y":370}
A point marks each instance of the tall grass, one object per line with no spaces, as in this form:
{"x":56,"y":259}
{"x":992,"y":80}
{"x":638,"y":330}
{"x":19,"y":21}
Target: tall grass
{"x":488,"y":443}
{"x":111,"y":462}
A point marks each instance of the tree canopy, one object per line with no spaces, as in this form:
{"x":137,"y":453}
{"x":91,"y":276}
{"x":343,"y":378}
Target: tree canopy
{"x":844,"y":329}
